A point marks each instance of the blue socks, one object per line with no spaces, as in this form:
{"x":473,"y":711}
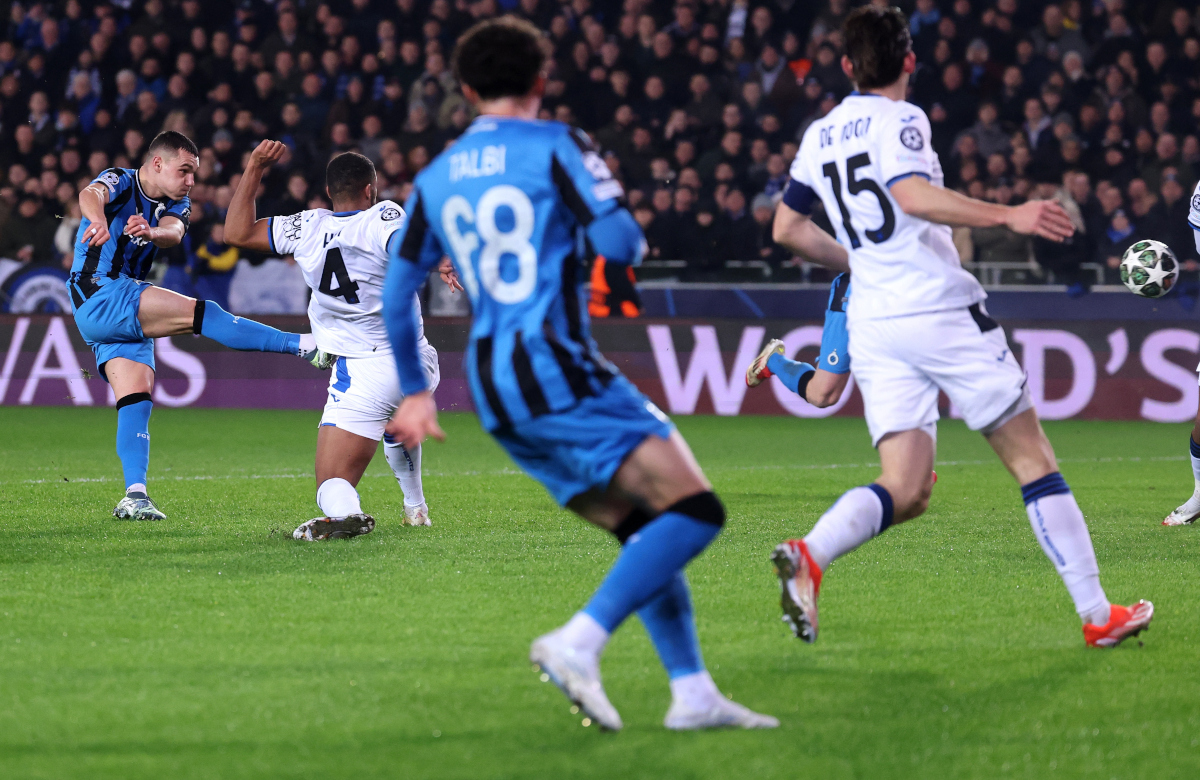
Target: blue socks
{"x":242,"y":334}
{"x":790,"y":372}
{"x":133,"y":437}
{"x":669,"y":622}
{"x":654,"y":556}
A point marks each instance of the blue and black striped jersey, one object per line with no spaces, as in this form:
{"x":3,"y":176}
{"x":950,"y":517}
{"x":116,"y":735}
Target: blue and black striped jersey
{"x":510,"y":201}
{"x":121,"y":255}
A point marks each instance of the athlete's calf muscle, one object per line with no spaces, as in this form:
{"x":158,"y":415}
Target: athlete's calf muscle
{"x":341,"y":454}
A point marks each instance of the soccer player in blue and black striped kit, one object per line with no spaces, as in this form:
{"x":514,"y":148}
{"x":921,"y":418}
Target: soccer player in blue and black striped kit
{"x":128,"y":215}
{"x":511,"y":202}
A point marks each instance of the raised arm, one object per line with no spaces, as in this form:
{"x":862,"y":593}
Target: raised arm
{"x":919,"y":198}
{"x":242,"y":229}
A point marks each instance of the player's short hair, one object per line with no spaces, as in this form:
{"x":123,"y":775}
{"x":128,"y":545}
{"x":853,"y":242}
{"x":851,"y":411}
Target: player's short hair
{"x":877,"y":41}
{"x":169,"y":143}
{"x":347,"y":174}
{"x":500,"y":57}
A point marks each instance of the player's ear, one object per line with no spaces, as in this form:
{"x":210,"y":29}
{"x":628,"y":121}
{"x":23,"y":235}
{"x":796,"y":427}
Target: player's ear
{"x":470,"y":94}
{"x":847,"y":67}
{"x":539,"y":87}
{"x":910,"y":62}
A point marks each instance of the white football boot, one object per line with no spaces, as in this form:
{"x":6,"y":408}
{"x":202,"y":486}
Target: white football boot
{"x":1185,"y":514}
{"x":417,"y":515}
{"x":577,"y":675}
{"x":758,"y":372}
{"x":720,"y":713}
{"x":320,"y":529}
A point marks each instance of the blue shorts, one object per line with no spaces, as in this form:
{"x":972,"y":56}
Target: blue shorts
{"x":581,"y":449}
{"x":108,"y":322}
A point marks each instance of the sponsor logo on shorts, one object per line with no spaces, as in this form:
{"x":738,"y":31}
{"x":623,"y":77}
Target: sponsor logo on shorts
{"x":911,"y":138}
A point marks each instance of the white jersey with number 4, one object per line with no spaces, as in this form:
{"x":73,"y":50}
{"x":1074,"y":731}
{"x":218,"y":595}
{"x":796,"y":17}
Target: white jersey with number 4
{"x":900,"y":264}
{"x":344,"y":257}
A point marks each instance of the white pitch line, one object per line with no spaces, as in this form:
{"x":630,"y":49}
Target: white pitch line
{"x":507,"y":472}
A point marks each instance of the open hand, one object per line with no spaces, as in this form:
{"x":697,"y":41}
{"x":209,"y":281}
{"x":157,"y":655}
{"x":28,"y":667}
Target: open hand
{"x":449,"y":275}
{"x":96,"y":234}
{"x":1044,"y":218}
{"x":415,"y":420}
{"x":268,"y":153}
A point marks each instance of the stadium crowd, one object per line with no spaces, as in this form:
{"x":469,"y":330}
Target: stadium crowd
{"x":698,"y":106}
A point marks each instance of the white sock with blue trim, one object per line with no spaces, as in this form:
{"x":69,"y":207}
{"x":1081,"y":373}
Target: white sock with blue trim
{"x":1060,"y":528}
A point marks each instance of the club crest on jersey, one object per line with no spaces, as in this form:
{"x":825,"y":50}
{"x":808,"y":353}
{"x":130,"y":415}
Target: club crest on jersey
{"x":388,"y":214}
{"x":291,"y":227}
{"x":158,"y":210}
{"x":833,"y":358}
{"x":911,"y":138}
{"x":110,"y":179}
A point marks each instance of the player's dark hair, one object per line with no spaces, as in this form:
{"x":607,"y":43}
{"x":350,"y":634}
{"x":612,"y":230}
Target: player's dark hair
{"x":347,"y":174}
{"x":877,"y":41}
{"x":499,"y":58}
{"x":172,"y":142}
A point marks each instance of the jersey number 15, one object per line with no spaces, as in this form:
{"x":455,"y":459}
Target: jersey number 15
{"x":854,"y":186}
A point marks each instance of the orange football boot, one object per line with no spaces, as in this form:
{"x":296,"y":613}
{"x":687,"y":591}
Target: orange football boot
{"x":799,"y":583}
{"x":1123,"y":622}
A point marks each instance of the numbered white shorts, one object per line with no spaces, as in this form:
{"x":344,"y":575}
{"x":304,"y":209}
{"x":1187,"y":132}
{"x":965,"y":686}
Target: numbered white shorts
{"x":901,"y":363}
{"x":364,"y":392}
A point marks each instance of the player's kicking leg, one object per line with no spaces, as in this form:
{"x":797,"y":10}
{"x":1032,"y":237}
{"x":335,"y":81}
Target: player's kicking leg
{"x":1063,"y":533}
{"x":166,"y":313}
{"x":681,"y":516}
{"x":1187,"y":513}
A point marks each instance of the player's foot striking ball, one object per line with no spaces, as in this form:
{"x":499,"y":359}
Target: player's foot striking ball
{"x":343,"y":254}
{"x":128,"y":215}
{"x":531,"y":192}
{"x":920,"y":327}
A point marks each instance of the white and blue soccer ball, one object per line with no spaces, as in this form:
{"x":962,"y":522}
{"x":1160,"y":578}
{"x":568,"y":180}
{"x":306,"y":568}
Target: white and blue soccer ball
{"x":1149,"y":269}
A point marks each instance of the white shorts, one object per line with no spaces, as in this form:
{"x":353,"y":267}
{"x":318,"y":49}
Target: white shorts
{"x":901,"y":363}
{"x":364,"y":392}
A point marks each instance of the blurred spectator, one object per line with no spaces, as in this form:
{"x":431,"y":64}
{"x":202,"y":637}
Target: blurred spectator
{"x":28,"y":236}
{"x":213,"y":266}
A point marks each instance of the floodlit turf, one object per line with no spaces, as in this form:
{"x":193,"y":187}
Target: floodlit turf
{"x":212,"y":645}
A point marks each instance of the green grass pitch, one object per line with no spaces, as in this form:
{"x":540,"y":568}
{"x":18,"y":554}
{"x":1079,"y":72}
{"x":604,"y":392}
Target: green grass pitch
{"x":212,"y":645}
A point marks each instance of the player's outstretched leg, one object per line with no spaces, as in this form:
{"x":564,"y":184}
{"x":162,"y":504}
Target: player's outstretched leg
{"x":1187,"y":513}
{"x":771,"y":362}
{"x":1061,"y":530}
{"x":165,"y":313}
{"x":406,"y":465}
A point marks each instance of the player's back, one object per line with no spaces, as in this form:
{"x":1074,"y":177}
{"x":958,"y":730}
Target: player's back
{"x":344,"y":257}
{"x":510,"y":199}
{"x":851,"y":157}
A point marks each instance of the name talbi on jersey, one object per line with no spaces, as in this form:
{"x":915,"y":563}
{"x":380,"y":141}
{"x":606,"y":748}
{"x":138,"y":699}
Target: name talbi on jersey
{"x":474,"y":163}
{"x":855,"y":128}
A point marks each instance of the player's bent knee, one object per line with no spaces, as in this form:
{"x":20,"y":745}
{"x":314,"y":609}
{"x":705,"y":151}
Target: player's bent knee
{"x":705,"y":507}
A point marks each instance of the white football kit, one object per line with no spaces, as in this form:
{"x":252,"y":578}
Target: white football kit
{"x":916,"y":321}
{"x":344,"y":257}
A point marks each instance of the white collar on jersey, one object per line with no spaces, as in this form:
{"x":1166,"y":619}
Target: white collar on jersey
{"x":137,"y":178}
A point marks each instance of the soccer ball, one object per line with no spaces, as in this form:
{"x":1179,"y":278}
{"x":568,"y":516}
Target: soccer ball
{"x":1149,"y":269}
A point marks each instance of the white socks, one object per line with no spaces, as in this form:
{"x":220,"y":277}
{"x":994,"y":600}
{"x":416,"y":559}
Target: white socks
{"x":406,"y":465}
{"x":137,"y":487}
{"x":338,"y":498}
{"x":857,"y":517}
{"x":1060,"y":528}
{"x":307,"y":343}
{"x":584,"y":634}
{"x":696,"y":691}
